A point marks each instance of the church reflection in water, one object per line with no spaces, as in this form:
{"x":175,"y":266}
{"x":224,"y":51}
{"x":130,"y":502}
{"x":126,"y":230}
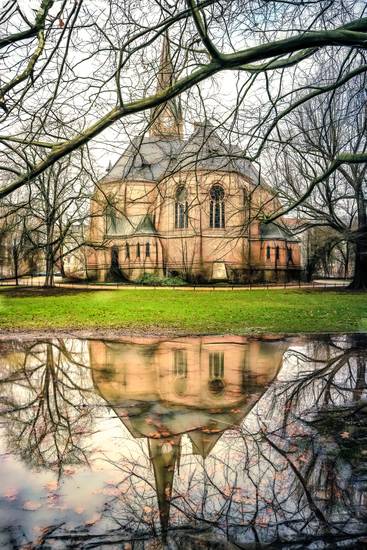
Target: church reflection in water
{"x":124,"y":440}
{"x":201,"y":387}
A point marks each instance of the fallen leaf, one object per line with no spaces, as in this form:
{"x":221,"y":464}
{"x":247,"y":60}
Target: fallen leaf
{"x":31,"y":505}
{"x":52,"y":486}
{"x":10,"y":494}
{"x":154,"y":435}
{"x":111,"y":491}
{"x":92,"y":520}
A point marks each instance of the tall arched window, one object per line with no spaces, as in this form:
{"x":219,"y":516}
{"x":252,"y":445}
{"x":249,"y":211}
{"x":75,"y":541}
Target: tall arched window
{"x":246,"y":206}
{"x":180,"y":372}
{"x":181,"y":208}
{"x":180,"y":363}
{"x":111,"y":220}
{"x":217,"y":212}
{"x":216,"y":372}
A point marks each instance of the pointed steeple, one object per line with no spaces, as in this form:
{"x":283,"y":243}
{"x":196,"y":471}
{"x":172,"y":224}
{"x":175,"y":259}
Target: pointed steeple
{"x":164,"y":455}
{"x":166,"y":119}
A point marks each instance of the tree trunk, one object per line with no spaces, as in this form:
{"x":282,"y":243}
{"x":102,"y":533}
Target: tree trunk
{"x":49,"y":279}
{"x":16,"y":265}
{"x":359,"y":281}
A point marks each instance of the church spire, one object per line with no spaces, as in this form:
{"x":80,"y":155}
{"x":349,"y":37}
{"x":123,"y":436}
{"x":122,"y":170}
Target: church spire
{"x":166,"y":119}
{"x":164,"y":456}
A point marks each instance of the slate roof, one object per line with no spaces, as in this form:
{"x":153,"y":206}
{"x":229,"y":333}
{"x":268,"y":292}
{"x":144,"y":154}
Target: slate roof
{"x":206,"y":150}
{"x":273,"y":231}
{"x":134,"y":225}
{"x":153,"y":158}
{"x":146,"y":158}
{"x":145,"y":226}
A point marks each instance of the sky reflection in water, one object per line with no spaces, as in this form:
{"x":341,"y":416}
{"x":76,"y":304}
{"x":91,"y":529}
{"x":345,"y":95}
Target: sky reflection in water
{"x":183,"y":442}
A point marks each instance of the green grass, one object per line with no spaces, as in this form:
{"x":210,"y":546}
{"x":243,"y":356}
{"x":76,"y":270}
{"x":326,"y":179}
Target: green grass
{"x":186,"y":311}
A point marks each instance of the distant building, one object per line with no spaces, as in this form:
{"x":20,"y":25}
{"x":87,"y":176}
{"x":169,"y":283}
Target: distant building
{"x":18,"y":255}
{"x":73,"y":253}
{"x":187,"y":206}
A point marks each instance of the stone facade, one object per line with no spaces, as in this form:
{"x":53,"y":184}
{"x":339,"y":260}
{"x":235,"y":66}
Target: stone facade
{"x":186,"y":206}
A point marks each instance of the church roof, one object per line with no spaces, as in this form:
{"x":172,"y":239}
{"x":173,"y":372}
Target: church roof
{"x":146,"y":158}
{"x":145,"y":226}
{"x":274,"y":231}
{"x":141,"y":224}
{"x":153,"y":158}
{"x":163,"y":151}
{"x":203,"y":443}
{"x":206,"y":150}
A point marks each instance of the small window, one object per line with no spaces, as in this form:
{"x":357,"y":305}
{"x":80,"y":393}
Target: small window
{"x":289,"y":255}
{"x":268,"y":252}
{"x":138,"y":250}
{"x":127,"y":250}
{"x":147,"y":250}
{"x":277,"y":253}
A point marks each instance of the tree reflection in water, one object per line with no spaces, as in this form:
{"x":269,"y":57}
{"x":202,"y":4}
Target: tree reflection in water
{"x":187,"y":442}
{"x":44,"y":400}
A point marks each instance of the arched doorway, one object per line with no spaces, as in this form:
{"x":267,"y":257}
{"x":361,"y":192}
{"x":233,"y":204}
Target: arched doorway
{"x":115,"y":273}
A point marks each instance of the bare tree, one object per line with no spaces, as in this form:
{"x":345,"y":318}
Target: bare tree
{"x":95,"y":62}
{"x":54,"y":207}
{"x":18,"y":255}
{"x":46,"y":423}
{"x":314,"y":136}
{"x":325,"y":253}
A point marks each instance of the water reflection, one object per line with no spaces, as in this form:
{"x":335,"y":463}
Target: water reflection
{"x":184,"y":442}
{"x":197,"y":386}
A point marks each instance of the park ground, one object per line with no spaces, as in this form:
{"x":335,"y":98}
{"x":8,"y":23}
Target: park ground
{"x":158,"y":311}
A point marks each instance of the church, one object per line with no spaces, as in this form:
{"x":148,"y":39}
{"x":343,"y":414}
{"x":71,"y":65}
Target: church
{"x":195,"y":389}
{"x":183,"y":206}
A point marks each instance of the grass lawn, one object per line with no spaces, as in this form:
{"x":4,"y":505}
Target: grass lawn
{"x":155,"y":311}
